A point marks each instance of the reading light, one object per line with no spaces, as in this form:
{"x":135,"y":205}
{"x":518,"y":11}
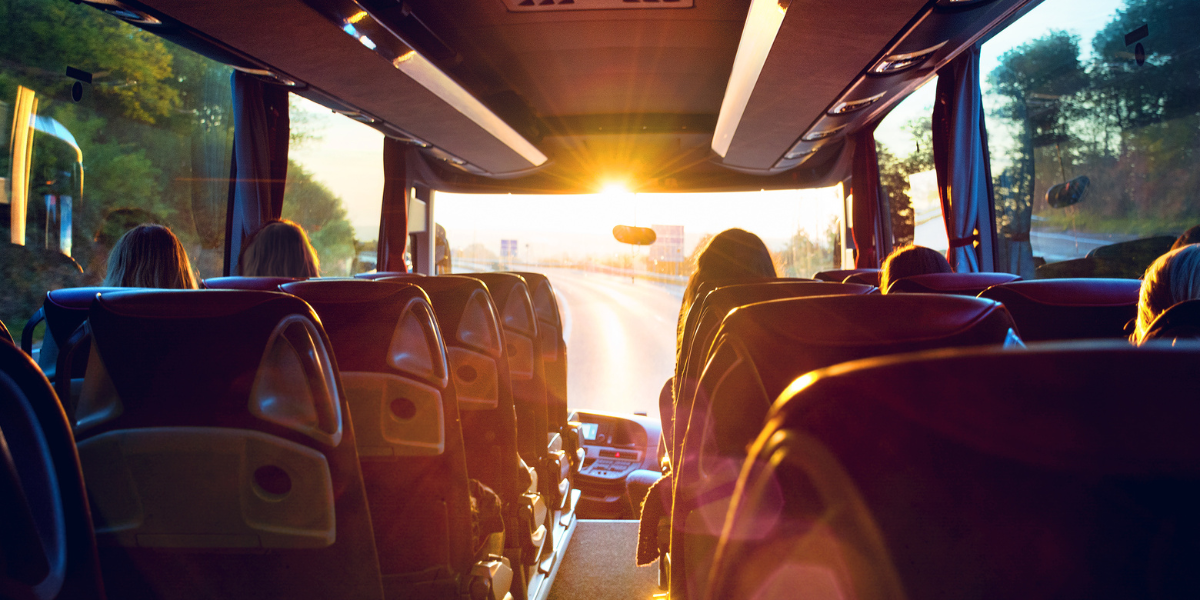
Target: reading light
{"x":795,"y":153}
{"x":762,"y":25}
{"x":370,"y":32}
{"x":850,"y":106}
{"x":813,"y":136}
{"x":894,"y":63}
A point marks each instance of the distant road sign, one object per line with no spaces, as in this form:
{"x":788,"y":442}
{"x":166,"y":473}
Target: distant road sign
{"x":508,"y":248}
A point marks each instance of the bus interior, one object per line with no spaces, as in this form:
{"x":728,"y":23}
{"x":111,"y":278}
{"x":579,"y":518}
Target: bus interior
{"x":406,"y":425}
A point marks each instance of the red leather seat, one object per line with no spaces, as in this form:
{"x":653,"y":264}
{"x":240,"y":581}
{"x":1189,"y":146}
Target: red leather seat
{"x":212,"y":437}
{"x":870,"y":278}
{"x":1043,"y":473}
{"x":47,"y":543}
{"x":840,"y":275}
{"x":1068,"y":309}
{"x":962,"y":284}
{"x":1180,"y":322}
{"x":405,"y":413}
{"x":717,"y":304}
{"x":760,"y":349}
{"x":241,"y":282}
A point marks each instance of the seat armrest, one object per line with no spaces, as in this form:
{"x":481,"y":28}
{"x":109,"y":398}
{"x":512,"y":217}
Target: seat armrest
{"x":491,"y":579}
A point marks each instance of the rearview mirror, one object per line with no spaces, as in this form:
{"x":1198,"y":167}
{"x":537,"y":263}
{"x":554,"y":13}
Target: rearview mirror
{"x":638,"y":236}
{"x":1066,"y":194}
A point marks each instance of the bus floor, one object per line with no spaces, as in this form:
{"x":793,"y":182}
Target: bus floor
{"x":600,"y":564}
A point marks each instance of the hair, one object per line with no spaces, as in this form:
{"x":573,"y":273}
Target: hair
{"x":908,"y":261}
{"x":1172,"y":278}
{"x":149,"y":256}
{"x":1191,"y":236}
{"x":734,"y":255}
{"x":279,"y":249}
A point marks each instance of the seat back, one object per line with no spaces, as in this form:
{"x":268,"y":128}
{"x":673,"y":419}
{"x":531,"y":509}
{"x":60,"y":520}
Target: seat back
{"x":760,"y":349}
{"x":47,"y":549}
{"x":213,"y":437}
{"x":554,"y":348}
{"x":961,"y":284}
{"x":242,"y":282}
{"x":718,"y":303}
{"x":1068,"y":309}
{"x":840,"y":275}
{"x":1043,"y":473}
{"x":63,"y":310}
{"x":870,"y":278}
{"x":5,"y":336}
{"x":405,"y":413}
{"x":1180,"y":322}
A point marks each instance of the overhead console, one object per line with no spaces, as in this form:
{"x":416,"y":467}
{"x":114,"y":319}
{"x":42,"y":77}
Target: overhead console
{"x":615,"y":446}
{"x":801,"y":86}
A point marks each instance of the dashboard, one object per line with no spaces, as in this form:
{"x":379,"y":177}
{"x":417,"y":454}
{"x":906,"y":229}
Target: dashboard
{"x":616,"y":445}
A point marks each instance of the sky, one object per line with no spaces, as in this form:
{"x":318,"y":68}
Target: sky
{"x":347,"y":157}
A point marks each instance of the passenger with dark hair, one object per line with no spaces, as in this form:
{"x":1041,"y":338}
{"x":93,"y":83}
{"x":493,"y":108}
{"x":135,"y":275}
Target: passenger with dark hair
{"x":149,"y":256}
{"x":908,"y":261}
{"x":1191,"y":236}
{"x":1173,"y":278}
{"x":279,"y":249}
{"x":734,"y":255}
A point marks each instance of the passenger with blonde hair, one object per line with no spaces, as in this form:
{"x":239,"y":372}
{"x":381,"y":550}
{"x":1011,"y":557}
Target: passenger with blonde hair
{"x":279,"y":249}
{"x":908,"y":261}
{"x":1172,"y":278}
{"x":149,"y":256}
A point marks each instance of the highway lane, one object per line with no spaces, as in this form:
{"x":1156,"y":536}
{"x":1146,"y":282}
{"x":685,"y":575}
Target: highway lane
{"x":620,"y":339}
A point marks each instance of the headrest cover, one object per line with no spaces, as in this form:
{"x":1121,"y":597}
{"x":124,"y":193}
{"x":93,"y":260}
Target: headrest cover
{"x":970,"y":284}
{"x":478,"y":326}
{"x":1072,"y":292}
{"x":265,"y":284}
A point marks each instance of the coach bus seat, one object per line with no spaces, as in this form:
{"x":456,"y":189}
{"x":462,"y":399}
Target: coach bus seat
{"x":471,"y":331}
{"x":217,"y":456}
{"x":393,"y":364}
{"x":554,"y":356}
{"x":961,"y":284}
{"x":840,"y":275}
{"x":717,"y":304}
{"x":241,"y":282}
{"x":5,"y":336}
{"x":1039,"y":473}
{"x":1068,"y":309}
{"x":870,"y":278}
{"x":47,"y":548}
{"x":759,"y":349}
{"x":63,"y":311}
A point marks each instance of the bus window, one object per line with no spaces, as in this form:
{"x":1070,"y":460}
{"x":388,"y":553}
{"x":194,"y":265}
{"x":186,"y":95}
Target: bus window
{"x":105,"y":127}
{"x":334,"y":183}
{"x":904,"y":143}
{"x":1093,"y":121}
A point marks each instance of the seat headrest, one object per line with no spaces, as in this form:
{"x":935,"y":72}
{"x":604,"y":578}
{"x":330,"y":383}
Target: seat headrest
{"x":1068,"y":292}
{"x":385,"y":274}
{"x":545,"y":305}
{"x":209,"y":358}
{"x":1180,"y":322}
{"x":66,"y":309}
{"x":871,"y":279}
{"x":511,"y":295}
{"x":355,"y":312}
{"x":239,"y":282}
{"x":964,"y":284}
{"x":840,"y":275}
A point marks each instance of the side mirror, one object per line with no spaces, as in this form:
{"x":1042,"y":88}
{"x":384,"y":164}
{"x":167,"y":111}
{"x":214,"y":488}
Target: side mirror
{"x":1066,"y":194}
{"x":638,"y":236}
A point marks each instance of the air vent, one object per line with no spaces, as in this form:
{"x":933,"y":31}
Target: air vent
{"x":850,"y":106}
{"x":813,"y":136}
{"x":123,"y":12}
{"x":555,"y":5}
{"x":895,"y":63}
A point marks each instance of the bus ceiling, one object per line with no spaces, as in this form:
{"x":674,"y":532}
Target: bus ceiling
{"x":687,"y":96}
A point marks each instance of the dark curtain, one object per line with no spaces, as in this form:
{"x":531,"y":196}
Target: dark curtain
{"x":961,"y":159}
{"x":393,"y":221}
{"x":866,"y":216}
{"x":258,"y":170}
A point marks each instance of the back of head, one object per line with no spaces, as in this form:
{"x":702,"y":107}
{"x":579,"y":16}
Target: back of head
{"x":149,"y":256}
{"x":279,"y":249}
{"x":734,"y":255}
{"x":908,"y":261}
{"x":1173,"y":278}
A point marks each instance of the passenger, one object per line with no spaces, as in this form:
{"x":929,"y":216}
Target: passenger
{"x":149,"y":256}
{"x":908,"y":261}
{"x":1172,"y":278}
{"x":279,"y":249}
{"x":1191,"y":236}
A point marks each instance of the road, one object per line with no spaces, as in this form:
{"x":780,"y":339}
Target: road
{"x":1058,"y":245}
{"x":620,"y":339}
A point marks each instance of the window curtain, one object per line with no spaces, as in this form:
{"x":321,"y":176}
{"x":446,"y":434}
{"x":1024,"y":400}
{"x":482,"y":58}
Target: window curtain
{"x":393,"y":222}
{"x":961,"y":159}
{"x":869,"y":238}
{"x":258,"y":169}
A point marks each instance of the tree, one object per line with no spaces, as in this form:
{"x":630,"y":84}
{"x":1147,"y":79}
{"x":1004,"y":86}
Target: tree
{"x":321,"y":213}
